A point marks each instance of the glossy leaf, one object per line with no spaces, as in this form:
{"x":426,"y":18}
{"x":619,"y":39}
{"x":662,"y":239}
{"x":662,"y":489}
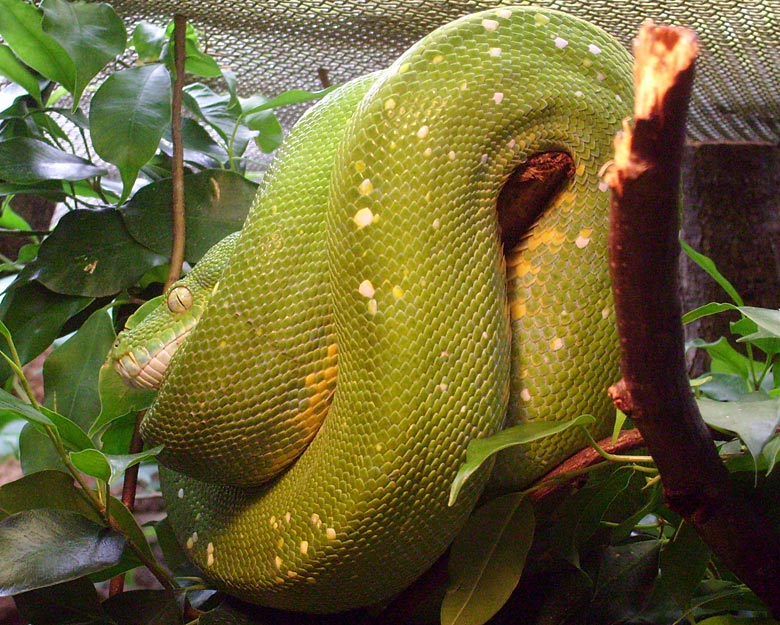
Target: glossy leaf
{"x":35,"y":315}
{"x":109,"y":467}
{"x":92,"y":33}
{"x":196,"y":61}
{"x":129,"y":526}
{"x":480,"y":450}
{"x":128,"y":116}
{"x":148,"y":41}
{"x":45,"y":547}
{"x":15,"y":71}
{"x":44,"y":489}
{"x":487,"y":559}
{"x":752,"y":418}
{"x":217,"y":203}
{"x":91,"y":253}
{"x":70,"y":372}
{"x":21,"y":28}
{"x":26,"y":161}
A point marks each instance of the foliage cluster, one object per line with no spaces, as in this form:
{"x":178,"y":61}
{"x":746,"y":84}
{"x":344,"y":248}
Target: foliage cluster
{"x":606,"y":552}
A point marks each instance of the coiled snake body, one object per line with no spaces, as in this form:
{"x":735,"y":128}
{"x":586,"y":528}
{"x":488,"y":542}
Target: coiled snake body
{"x":375,"y":231}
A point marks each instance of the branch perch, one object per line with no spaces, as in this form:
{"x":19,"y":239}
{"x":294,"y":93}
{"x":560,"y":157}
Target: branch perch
{"x":644,"y":252}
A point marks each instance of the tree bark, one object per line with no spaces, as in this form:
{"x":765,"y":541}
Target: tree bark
{"x":644,"y":253}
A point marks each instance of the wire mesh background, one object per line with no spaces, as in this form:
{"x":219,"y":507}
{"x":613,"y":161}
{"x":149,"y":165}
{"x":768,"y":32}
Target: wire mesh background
{"x":275,"y":45}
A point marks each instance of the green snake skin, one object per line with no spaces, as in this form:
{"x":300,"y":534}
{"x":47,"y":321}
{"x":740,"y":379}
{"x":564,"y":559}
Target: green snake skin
{"x":375,"y":230}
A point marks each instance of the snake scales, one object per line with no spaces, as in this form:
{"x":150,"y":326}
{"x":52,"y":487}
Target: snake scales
{"x":374,"y":240}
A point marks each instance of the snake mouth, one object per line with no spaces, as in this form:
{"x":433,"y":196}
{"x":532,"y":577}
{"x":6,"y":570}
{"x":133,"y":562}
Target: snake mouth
{"x":144,"y":368}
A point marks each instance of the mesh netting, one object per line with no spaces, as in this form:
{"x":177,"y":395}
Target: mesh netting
{"x":275,"y":45}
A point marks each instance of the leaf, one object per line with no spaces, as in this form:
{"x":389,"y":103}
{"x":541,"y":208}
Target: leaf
{"x":148,"y":41}
{"x":487,"y":559}
{"x":45,"y":547}
{"x":117,"y":399}
{"x":725,"y":359}
{"x":709,"y":266}
{"x":175,"y":557}
{"x":683,"y":563}
{"x":729,"y":619}
{"x":214,"y":109}
{"x":44,"y":489}
{"x":13,"y":405}
{"x":109,"y":467}
{"x":20,"y":27}
{"x":35,"y":315}
{"x":70,"y":372}
{"x":90,"y":253}
{"x":196,"y":61}
{"x":723,"y":386}
{"x":25,"y":161}
{"x":753,"y":420}
{"x":37,"y":452}
{"x":257,"y":104}
{"x":150,"y":607}
{"x":92,"y":34}
{"x":217,"y":203}
{"x":128,"y":116}
{"x":72,"y":603}
{"x":482,"y":449}
{"x":15,"y":71}
{"x":767,"y":320}
{"x":713,"y":308}
{"x":129,"y":526}
{"x":270,"y":130}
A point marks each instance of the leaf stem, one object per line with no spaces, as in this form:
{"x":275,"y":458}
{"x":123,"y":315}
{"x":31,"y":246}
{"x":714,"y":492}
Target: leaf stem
{"x":615,"y":457}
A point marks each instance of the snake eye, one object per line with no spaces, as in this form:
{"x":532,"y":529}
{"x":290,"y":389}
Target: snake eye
{"x":179,"y":299}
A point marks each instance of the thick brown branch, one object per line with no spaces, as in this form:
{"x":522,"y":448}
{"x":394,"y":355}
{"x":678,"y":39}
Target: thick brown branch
{"x":644,"y":251}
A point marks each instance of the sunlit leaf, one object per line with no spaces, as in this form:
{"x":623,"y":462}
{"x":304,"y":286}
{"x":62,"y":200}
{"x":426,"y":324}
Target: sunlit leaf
{"x":44,"y":547}
{"x":487,"y":559}
{"x":482,"y":449}
{"x":128,"y":116}
{"x":92,"y":33}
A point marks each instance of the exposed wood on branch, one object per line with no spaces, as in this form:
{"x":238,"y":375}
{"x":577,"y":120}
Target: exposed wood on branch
{"x":644,"y":252}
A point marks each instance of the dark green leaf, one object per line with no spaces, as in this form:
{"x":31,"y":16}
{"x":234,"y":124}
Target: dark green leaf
{"x":150,"y":607}
{"x":37,"y":452}
{"x":13,"y":405}
{"x":198,"y":142}
{"x":482,"y":449}
{"x":752,"y":419}
{"x":213,"y":109}
{"x":709,"y":266}
{"x":14,"y":70}
{"x":70,"y":372}
{"x":217,"y":204}
{"x":26,"y":161}
{"x":128,"y":116}
{"x":20,"y":26}
{"x":72,"y":603}
{"x":148,"y":41}
{"x":129,"y":526}
{"x":683,"y":562}
{"x":35,"y":315}
{"x":487,"y":559}
{"x":44,"y":489}
{"x":175,"y":558}
{"x":91,"y":253}
{"x":45,"y":547}
{"x":72,"y":435}
{"x":92,"y":33}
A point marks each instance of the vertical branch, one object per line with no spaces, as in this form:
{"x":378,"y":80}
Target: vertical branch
{"x":644,"y":252}
{"x":177,"y":173}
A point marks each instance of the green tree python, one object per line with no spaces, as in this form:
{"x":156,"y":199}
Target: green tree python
{"x":374,"y":241}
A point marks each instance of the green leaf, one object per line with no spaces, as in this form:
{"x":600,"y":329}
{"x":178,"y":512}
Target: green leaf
{"x":196,"y":61}
{"x":487,"y":559}
{"x":753,"y":420}
{"x":91,"y":253}
{"x":482,"y":449}
{"x":73,"y":437}
{"x":109,"y":467}
{"x":35,"y":315}
{"x":20,"y":26}
{"x":725,"y":359}
{"x":44,"y":489}
{"x":129,"y":526}
{"x":217,"y":203}
{"x":128,"y":116}
{"x":15,"y":71}
{"x":214,"y":109}
{"x":72,"y":603}
{"x":175,"y":557}
{"x":148,"y":41}
{"x":723,"y":386}
{"x":45,"y":547}
{"x":37,"y":452}
{"x":150,"y":607}
{"x":13,"y":405}
{"x":729,"y":619}
{"x":257,"y":104}
{"x":709,"y":266}
{"x":117,"y":399}
{"x":683,"y":563}
{"x":92,"y":33}
{"x":713,"y":308}
{"x":70,"y":372}
{"x":270,"y":130}
{"x":26,"y":161}
{"x":767,"y":320}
